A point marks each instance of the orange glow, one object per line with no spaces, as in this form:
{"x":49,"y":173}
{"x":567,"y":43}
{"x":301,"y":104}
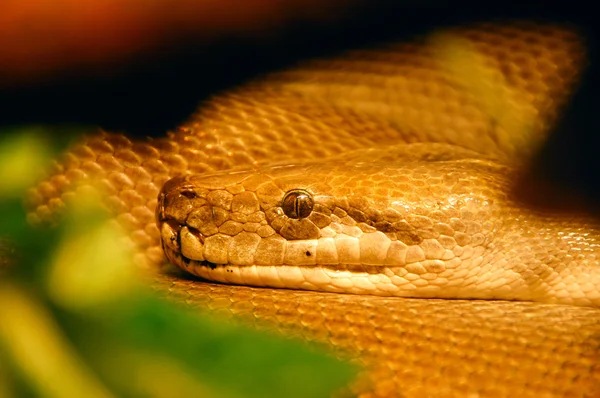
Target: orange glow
{"x":40,"y":38}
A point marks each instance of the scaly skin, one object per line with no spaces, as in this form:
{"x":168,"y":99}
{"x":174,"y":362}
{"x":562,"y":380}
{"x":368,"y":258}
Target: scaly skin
{"x":367,"y":101}
{"x":421,"y":228}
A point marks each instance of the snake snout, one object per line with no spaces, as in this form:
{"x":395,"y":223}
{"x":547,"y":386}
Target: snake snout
{"x":176,"y":201}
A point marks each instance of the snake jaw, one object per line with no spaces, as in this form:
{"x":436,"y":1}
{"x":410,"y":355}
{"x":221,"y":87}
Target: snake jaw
{"x":171,"y":236}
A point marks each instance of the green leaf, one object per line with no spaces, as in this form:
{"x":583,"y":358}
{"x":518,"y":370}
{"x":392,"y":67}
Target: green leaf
{"x":75,"y":321}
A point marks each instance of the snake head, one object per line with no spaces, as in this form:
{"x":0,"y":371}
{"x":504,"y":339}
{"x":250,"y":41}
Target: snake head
{"x":344,"y":227}
{"x":236,"y":219}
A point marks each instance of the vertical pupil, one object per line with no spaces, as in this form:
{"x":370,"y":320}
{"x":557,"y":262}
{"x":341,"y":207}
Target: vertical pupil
{"x":301,"y":200}
{"x":303,"y":205}
{"x":297,"y":206}
{"x":298,"y":203}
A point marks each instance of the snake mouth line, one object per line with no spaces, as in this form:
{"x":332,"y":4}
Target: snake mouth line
{"x":320,"y":278}
{"x":182,"y":261}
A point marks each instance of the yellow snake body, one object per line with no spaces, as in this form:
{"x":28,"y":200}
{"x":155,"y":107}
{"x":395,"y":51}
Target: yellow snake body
{"x":381,"y":173}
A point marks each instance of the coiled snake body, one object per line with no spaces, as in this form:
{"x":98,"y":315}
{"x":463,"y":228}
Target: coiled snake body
{"x":383,"y":173}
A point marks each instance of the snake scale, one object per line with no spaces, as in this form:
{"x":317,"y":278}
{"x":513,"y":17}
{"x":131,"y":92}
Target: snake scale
{"x":412,"y":110}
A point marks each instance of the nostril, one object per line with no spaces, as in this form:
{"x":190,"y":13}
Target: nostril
{"x":188,"y":193}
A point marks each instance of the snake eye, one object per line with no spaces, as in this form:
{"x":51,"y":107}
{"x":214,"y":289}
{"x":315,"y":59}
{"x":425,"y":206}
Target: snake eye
{"x":297,"y":204}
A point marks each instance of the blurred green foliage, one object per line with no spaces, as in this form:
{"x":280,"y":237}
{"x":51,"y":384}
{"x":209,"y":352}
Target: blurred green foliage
{"x":75,"y":321}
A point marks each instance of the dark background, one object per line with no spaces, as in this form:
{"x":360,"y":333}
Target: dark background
{"x":159,"y":91}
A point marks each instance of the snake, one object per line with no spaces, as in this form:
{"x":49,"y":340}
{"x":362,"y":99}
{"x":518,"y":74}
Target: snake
{"x":366,"y":202}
